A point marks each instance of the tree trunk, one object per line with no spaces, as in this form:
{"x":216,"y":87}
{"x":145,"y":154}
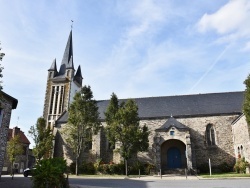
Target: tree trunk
{"x":12,"y":170}
{"x":126,"y":167}
{"x":77,"y":166}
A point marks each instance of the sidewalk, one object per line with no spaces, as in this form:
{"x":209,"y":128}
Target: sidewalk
{"x":166,"y":177}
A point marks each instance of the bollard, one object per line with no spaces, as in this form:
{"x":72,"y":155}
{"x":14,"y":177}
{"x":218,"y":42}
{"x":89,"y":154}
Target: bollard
{"x":160,"y":174}
{"x":186,"y":172}
{"x":139,"y":173}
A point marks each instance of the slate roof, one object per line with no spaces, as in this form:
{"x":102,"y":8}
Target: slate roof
{"x":78,"y":76}
{"x":185,"y":105}
{"x":182,"y":106}
{"x":67,"y":60}
{"x":172,"y":122}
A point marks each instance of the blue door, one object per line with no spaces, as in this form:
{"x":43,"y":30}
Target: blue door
{"x":173,"y":158}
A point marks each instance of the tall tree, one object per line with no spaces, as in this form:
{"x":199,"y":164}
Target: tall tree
{"x":123,"y":126}
{"x":1,"y":68}
{"x":83,"y":123}
{"x":14,"y":148}
{"x":246,"y":105}
{"x":43,"y":139}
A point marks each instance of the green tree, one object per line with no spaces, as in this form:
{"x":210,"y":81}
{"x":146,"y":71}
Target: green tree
{"x":43,"y":139}
{"x":83,"y":123}
{"x":50,"y":173}
{"x":14,"y":149}
{"x":123,"y":126}
{"x":246,"y":105}
{"x":1,"y":68}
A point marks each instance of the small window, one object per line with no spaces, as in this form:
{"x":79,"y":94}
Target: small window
{"x":24,"y":150}
{"x":89,"y":145}
{"x":210,"y":135}
{"x":172,"y":133}
{"x":241,"y":151}
{"x":110,"y":146}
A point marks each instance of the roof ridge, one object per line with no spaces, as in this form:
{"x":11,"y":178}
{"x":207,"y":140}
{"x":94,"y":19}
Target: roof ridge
{"x":174,"y":95}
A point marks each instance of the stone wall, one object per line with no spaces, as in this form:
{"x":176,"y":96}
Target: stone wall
{"x":223,"y":150}
{"x":47,"y":99}
{"x":6,"y":108}
{"x":241,"y":138}
{"x":194,"y":139}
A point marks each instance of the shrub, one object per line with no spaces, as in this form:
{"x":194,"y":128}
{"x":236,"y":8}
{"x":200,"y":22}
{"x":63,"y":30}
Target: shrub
{"x":110,"y":168}
{"x":203,"y":168}
{"x":134,"y":169}
{"x":240,"y":165}
{"x":145,"y":168}
{"x":224,"y":167}
{"x":104,"y":169}
{"x":50,"y":173}
{"x":118,"y":168}
{"x":72,"y":168}
{"x":87,"y":168}
{"x":149,"y":168}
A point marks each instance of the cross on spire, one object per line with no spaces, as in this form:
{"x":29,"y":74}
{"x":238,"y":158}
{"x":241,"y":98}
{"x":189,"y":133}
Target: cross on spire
{"x":72,"y":24}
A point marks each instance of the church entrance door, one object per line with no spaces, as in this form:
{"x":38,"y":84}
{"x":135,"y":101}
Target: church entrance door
{"x":173,"y":158}
{"x":173,"y":155}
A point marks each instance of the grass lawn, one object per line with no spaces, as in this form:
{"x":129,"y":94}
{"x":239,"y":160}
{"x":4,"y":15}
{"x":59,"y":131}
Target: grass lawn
{"x":224,"y":175}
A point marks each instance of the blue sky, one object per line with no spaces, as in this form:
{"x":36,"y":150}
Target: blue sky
{"x":135,"y":48}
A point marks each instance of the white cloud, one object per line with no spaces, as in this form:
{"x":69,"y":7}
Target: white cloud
{"x":232,"y":17}
{"x":246,"y":47}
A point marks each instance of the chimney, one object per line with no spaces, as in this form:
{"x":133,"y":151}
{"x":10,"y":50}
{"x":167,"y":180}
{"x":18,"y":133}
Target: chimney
{"x":15,"y":131}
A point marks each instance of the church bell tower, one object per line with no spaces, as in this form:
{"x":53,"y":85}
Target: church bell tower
{"x":61,"y":85}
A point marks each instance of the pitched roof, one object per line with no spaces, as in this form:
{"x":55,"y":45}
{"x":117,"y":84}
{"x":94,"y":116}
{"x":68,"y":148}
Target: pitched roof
{"x":14,"y":101}
{"x":63,"y":117}
{"x":182,"y":105}
{"x":23,"y":138}
{"x":172,"y":122}
{"x":185,"y":105}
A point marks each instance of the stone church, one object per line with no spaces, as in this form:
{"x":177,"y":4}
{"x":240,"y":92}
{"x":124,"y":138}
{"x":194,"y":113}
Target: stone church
{"x":185,"y":131}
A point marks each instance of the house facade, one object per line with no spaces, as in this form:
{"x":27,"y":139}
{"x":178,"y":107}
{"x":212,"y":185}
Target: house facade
{"x":8,"y":103}
{"x":22,"y":161}
{"x":185,"y":131}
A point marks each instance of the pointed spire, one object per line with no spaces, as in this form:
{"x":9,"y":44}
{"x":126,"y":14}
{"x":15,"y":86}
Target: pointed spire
{"x":53,"y":66}
{"x":78,"y":77}
{"x":67,"y":56}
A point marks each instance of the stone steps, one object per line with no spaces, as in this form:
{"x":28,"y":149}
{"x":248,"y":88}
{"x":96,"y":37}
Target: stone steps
{"x":176,"y":171}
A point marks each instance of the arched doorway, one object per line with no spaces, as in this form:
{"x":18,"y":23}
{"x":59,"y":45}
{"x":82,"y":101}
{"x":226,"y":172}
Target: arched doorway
{"x":173,"y":155}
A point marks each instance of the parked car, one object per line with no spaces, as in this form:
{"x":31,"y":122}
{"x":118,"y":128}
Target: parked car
{"x":28,"y":172}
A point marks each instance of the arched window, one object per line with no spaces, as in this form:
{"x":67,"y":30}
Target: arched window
{"x":241,"y":151}
{"x":239,"y":155}
{"x":210,"y":135}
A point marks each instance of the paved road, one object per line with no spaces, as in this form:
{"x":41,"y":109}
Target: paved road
{"x":173,"y":182}
{"x":144,"y":182}
{"x":18,"y":182}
